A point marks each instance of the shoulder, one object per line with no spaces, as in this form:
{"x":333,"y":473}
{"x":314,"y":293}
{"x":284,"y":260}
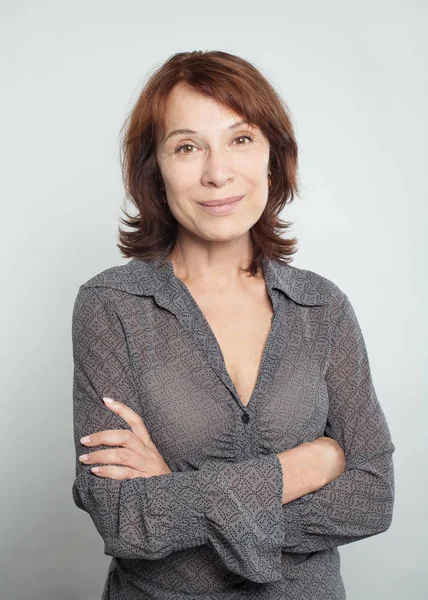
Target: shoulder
{"x":99,"y":292}
{"x":136,"y":277}
{"x":308,"y":287}
{"x":313,"y":289}
{"x":106,"y":293}
{"x":112,"y":277}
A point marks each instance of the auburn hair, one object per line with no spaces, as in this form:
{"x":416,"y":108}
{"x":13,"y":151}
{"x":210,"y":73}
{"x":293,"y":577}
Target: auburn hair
{"x":237,"y":84}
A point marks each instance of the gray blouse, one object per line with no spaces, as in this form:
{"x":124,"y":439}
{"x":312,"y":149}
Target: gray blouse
{"x":215,"y":528}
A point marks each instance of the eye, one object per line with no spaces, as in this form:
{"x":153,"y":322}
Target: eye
{"x":179,"y":149}
{"x":243,"y":137}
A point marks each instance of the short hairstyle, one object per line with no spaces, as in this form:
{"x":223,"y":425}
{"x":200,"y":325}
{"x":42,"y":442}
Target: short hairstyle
{"x":237,"y":84}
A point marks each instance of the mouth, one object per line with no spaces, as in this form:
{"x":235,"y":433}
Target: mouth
{"x":223,"y":206}
{"x":221,"y":201}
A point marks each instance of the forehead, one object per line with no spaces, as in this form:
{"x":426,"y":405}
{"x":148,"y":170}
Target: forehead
{"x":187,"y":107}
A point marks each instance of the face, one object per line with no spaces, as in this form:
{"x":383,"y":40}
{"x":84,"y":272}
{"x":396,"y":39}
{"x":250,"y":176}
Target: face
{"x":218,"y":160}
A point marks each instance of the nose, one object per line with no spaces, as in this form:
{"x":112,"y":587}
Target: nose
{"x":217,"y":169}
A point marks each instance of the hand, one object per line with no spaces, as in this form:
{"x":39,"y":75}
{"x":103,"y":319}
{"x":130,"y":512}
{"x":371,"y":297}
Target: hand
{"x":138,"y":453}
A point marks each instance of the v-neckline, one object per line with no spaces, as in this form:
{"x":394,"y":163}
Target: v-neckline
{"x":191,"y":317}
{"x":226,"y":372}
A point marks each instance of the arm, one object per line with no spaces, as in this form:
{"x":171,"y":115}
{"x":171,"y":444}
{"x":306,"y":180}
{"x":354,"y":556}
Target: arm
{"x":359,"y":503}
{"x":235,"y":507}
{"x":310,"y":466}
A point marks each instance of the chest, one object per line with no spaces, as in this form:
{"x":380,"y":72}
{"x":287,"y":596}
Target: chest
{"x":241,"y":331}
{"x":276,"y":364}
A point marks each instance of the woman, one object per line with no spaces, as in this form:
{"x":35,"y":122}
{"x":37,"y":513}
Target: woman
{"x":245,"y":442}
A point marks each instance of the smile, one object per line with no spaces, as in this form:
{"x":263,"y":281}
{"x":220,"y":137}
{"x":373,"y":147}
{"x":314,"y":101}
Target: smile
{"x":221,"y":209}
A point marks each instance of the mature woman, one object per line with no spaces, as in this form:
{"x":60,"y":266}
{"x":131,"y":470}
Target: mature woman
{"x":245,"y":442}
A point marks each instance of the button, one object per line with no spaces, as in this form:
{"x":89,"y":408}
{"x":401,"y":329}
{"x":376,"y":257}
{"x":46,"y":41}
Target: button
{"x":245,"y":418}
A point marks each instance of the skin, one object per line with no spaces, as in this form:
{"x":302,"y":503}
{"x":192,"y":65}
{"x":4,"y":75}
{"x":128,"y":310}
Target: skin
{"x":216,"y":162}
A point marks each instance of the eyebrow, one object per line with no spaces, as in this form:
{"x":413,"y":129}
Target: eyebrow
{"x":191,"y":131}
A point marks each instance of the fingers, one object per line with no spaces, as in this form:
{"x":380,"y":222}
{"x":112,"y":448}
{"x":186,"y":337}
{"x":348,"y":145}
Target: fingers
{"x":136,"y":452}
{"x":131,"y":417}
{"x":114,"y":437}
{"x":114,"y":456}
{"x":115,"y":472}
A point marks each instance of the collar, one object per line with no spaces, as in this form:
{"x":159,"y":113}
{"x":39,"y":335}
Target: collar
{"x":147,"y":278}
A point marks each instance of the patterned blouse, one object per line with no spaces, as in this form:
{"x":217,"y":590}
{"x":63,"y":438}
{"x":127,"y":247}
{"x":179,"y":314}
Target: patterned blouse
{"x":216,"y":528}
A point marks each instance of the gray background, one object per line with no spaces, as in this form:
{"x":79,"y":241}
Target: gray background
{"x":354,"y":75}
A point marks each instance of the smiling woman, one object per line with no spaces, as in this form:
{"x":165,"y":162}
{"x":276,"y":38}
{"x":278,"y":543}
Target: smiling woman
{"x":246,"y":441}
{"x":206,"y":126}
{"x":221,"y":156}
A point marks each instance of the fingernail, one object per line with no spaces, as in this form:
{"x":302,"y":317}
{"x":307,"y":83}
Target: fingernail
{"x":86,"y":439}
{"x":108,"y":400}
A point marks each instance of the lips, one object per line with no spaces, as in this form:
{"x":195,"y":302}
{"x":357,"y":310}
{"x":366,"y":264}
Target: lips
{"x":221,"y":201}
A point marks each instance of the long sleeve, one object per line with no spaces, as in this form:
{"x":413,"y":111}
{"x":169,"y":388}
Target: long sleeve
{"x":235,"y":507}
{"x":360,"y":502}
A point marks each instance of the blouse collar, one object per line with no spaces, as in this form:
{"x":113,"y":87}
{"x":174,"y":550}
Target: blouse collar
{"x":148,"y":278}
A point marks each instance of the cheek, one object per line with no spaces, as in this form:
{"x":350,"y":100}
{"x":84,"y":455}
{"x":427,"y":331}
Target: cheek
{"x":181,"y":187}
{"x":255,"y":161}
{"x":256,"y":180}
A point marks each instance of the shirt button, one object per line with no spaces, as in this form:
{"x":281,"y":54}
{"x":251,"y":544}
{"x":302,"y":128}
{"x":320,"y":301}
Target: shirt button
{"x":245,"y":418}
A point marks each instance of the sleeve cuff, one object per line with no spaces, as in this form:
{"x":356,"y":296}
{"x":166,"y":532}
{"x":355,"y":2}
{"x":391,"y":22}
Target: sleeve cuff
{"x":243,"y":508}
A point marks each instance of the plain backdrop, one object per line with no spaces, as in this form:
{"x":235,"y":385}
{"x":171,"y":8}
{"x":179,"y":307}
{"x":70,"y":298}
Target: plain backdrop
{"x":354,"y":76}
